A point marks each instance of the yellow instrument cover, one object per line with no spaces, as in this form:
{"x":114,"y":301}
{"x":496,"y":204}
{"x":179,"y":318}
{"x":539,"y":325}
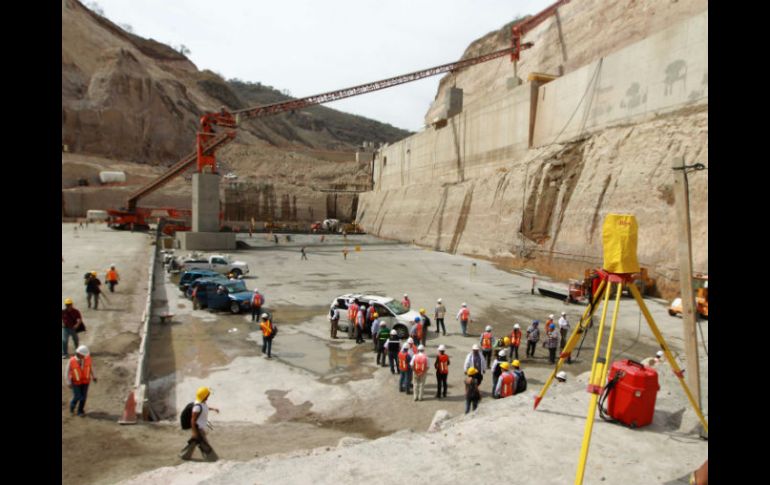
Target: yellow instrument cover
{"x":619,"y":236}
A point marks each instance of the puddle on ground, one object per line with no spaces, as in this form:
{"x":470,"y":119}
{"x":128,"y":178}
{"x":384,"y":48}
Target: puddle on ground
{"x":294,"y":314}
{"x":327,"y":360}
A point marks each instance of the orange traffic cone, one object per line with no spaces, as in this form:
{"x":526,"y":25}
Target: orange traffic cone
{"x":129,"y":413}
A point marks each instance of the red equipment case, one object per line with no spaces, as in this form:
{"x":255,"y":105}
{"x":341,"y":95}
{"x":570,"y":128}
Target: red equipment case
{"x":632,"y":401}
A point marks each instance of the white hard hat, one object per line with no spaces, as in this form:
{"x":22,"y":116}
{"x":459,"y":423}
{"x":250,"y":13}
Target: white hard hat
{"x":410,"y":340}
{"x":264,"y":315}
{"x":393,"y":332}
{"x":441,"y":348}
{"x":489,"y":327}
{"x":256,"y":290}
{"x":464,"y":304}
{"x":562,"y":376}
{"x":475,"y":347}
{"x":439,"y":300}
{"x":550,"y":316}
{"x":405,"y":347}
{"x":112,"y":265}
{"x":516,"y":325}
{"x":501,"y":353}
{"x":421,"y":347}
{"x":405,"y":294}
{"x":563,"y":313}
{"x":659,"y":353}
{"x":82,"y":350}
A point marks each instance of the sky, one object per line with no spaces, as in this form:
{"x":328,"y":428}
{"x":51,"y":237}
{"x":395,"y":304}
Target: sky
{"x":309,"y":47}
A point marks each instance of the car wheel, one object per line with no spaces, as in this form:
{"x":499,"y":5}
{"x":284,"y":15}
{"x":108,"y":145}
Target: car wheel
{"x":236,"y":272}
{"x":235,"y":307}
{"x":402,"y":332}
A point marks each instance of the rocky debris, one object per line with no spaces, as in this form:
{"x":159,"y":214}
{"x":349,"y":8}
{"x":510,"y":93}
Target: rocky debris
{"x":439,"y":419}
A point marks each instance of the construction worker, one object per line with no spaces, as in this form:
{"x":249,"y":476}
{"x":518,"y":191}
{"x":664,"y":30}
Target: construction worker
{"x":418,"y":331}
{"x":393,"y":344}
{"x":497,"y":369}
{"x":485,"y":341}
{"x":412,"y":346}
{"x":442,"y":371}
{"x":464,"y":316}
{"x":406,"y":302}
{"x":419,"y":365}
{"x":334,"y":319}
{"x":551,"y":342}
{"x":375,"y":330}
{"x":533,"y":337}
{"x":71,"y":321}
{"x":112,"y":278}
{"x":93,"y":289}
{"x":405,"y":382}
{"x":360,"y":321}
{"x":561,"y":376}
{"x":79,"y":374}
{"x":345,"y":253}
{"x":506,"y":384}
{"x":257,"y":300}
{"x":352,"y":315}
{"x":564,"y":333}
{"x":268,"y":332}
{"x":475,"y":359}
{"x":200,"y":419}
{"x":472,"y":393}
{"x":370,"y":320}
{"x":439,"y":313}
{"x":382,"y":336}
{"x":515,"y":341}
{"x":548,"y":322}
{"x":304,"y":255}
{"x":425,"y":325}
{"x":521,"y":379}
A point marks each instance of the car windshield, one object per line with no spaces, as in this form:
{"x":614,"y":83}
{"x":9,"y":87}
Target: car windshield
{"x":235,"y":286}
{"x":396,"y":307}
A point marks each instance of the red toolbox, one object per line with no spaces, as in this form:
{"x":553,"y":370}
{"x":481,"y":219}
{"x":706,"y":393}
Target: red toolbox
{"x":632,"y":400}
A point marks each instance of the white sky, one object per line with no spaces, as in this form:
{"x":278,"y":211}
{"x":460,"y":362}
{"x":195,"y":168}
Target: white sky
{"x":312,"y":46}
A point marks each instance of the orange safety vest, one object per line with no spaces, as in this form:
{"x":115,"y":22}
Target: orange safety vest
{"x":443,"y":364}
{"x":464,"y":314}
{"x":516,"y":338}
{"x":486,"y":340}
{"x":256,"y":300}
{"x":77,"y":375}
{"x":420,"y":364}
{"x":112,"y":275}
{"x":267,"y":328}
{"x":418,"y":332}
{"x":403,"y":365}
{"x":352,"y":313}
{"x":506,"y":388}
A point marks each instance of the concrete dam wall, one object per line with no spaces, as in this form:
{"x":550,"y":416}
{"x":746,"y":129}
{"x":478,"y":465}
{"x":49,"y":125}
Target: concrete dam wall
{"x":528,"y":173}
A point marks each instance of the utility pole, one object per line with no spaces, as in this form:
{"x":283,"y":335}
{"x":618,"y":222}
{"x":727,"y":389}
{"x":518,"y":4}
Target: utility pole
{"x":682,"y":195}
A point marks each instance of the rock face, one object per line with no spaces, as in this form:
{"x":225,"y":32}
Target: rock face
{"x":527,"y":171}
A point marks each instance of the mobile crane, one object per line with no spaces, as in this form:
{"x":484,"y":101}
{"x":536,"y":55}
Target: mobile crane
{"x":208,"y":141}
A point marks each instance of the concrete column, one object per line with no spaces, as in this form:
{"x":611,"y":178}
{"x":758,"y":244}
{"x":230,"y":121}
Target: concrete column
{"x":205,"y":202}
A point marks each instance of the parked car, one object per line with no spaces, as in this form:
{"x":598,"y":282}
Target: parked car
{"x":389,"y":310}
{"x":189,"y":276}
{"x":218,"y":263}
{"x":221,"y":294}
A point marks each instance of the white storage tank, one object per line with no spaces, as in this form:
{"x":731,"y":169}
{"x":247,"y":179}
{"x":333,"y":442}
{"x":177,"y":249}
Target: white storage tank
{"x":112,"y":177}
{"x":96,"y":215}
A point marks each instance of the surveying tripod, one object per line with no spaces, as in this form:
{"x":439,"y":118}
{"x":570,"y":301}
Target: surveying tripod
{"x":599,"y":365}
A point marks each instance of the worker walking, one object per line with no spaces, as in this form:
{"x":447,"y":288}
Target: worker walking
{"x":93,"y":288}
{"x":383,"y":334}
{"x":515,"y":341}
{"x":533,"y":337}
{"x":472,"y":393}
{"x":551,"y":342}
{"x":405,"y":381}
{"x":198,"y":422}
{"x":112,"y":278}
{"x":476,"y":360}
{"x":438,"y":314}
{"x":352,"y":315}
{"x":71,"y":323}
{"x":506,"y":384}
{"x":393,"y":344}
{"x":564,"y":332}
{"x":79,"y":374}
{"x":334,"y":319}
{"x":486,"y":344}
{"x":464,"y":316}
{"x":268,"y":332}
{"x":442,"y":371}
{"x":304,"y":255}
{"x":256,"y":304}
{"x":419,"y":365}
{"x":497,"y":369}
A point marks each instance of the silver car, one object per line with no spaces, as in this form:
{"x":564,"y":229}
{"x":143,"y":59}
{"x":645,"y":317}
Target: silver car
{"x":391,"y":311}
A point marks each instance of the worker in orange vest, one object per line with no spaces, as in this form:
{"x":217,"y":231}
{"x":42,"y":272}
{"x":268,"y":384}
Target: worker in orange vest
{"x":268,"y":332}
{"x":405,"y":380}
{"x":79,"y":374}
{"x":486,"y":344}
{"x":515,"y":341}
{"x":506,"y":383}
{"x":442,"y":371}
{"x":418,"y":332}
{"x":352,"y":314}
{"x":407,"y":304}
{"x":256,"y":304}
{"x":464,"y":315}
{"x":419,"y":365}
{"x":112,"y":278}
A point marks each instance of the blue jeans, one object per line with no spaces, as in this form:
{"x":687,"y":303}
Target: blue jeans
{"x":267,"y":345}
{"x":66,"y":333}
{"x":468,"y":402}
{"x":79,"y":395}
{"x":405,"y":382}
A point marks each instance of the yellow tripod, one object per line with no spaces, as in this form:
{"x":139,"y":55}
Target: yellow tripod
{"x":599,"y":367}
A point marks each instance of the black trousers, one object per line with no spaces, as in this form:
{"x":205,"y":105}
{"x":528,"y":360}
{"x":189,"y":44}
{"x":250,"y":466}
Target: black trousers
{"x":359,"y":338}
{"x":255,"y":312}
{"x":440,"y":324}
{"x":487,"y":356}
{"x":552,"y":355}
{"x":441,"y":384}
{"x":514,"y":353}
{"x":531,"y":346}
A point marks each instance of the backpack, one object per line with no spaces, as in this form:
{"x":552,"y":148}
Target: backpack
{"x":521,"y":382}
{"x":186,"y":417}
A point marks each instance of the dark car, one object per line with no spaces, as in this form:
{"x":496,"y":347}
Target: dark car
{"x":189,"y":276}
{"x":221,"y":294}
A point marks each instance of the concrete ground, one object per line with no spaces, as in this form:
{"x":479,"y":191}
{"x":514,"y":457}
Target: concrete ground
{"x":317,"y":390}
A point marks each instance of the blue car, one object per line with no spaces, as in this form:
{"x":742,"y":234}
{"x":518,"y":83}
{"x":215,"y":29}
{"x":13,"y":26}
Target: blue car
{"x":222,"y":294}
{"x":189,"y":276}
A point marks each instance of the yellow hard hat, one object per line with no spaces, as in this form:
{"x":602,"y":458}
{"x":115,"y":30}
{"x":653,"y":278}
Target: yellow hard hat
{"x":504,"y":366}
{"x":68,"y":301}
{"x":375,"y":314}
{"x":422,"y":310}
{"x":516,"y":363}
{"x":202,"y":393}
{"x":472,"y":371}
{"x":507,"y":340}
{"x":93,"y":273}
